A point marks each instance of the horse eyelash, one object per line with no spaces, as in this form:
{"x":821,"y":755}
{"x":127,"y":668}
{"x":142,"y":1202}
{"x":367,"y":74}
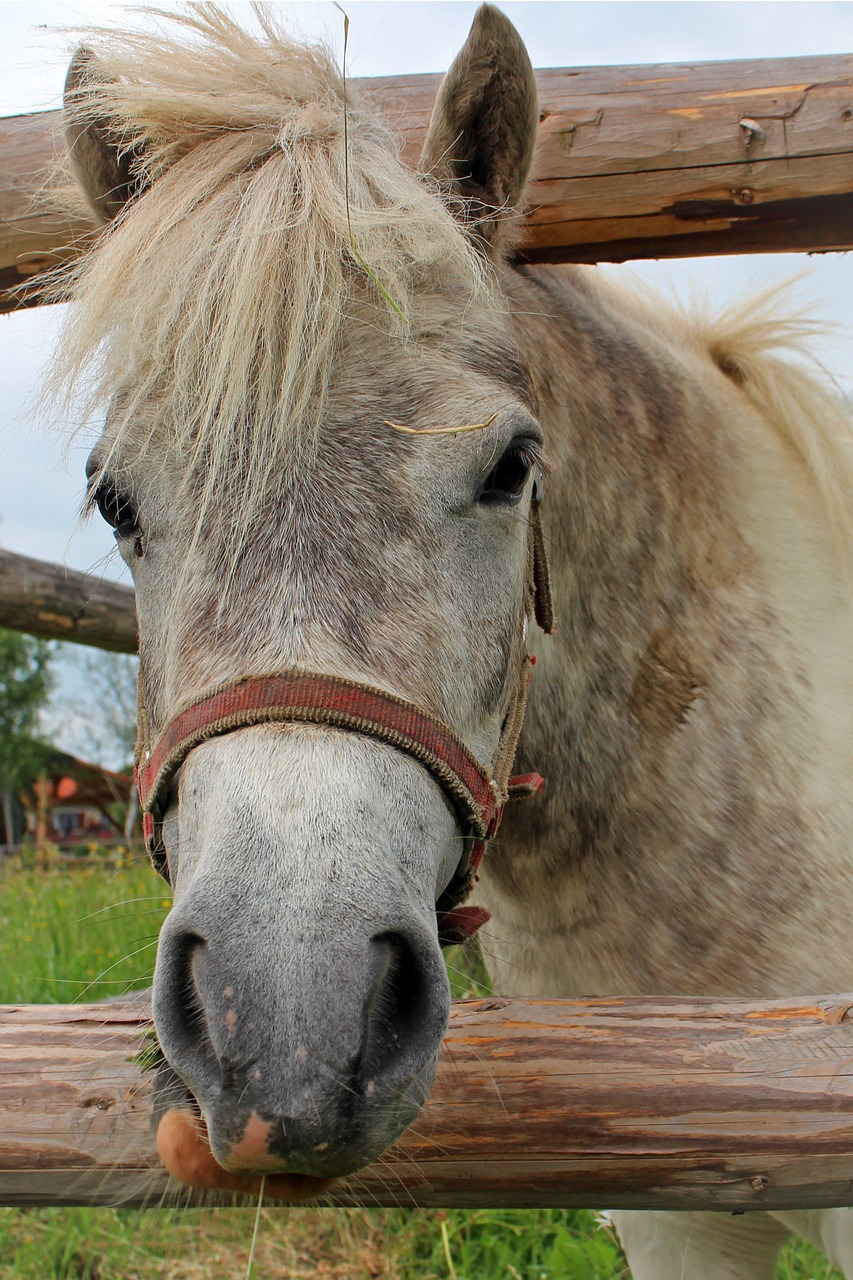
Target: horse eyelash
{"x":89,"y":504}
{"x":531,"y":452}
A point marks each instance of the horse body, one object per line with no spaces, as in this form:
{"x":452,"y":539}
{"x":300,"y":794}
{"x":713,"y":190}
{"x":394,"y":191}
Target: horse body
{"x":693,"y":710}
{"x":691,"y":714}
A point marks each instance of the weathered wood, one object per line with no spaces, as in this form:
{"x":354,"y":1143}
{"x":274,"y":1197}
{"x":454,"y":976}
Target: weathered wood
{"x":33,"y":236}
{"x":655,"y":162}
{"x":54,"y":603}
{"x":660,"y":1103}
{"x":634,"y":162}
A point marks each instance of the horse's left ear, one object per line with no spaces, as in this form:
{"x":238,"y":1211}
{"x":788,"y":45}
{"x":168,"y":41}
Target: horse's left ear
{"x":103,"y":169}
{"x":483,"y":127}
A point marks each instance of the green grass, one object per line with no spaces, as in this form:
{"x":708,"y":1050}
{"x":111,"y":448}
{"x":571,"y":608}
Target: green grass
{"x":82,"y":934}
{"x":107,"y":1244}
{"x":87,"y":934}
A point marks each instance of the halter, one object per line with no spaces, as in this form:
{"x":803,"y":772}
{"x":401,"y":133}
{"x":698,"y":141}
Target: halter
{"x":477,"y":794}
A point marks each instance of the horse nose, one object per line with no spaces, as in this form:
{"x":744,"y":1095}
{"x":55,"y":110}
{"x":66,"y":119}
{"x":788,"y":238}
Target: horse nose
{"x":398,"y":1018}
{"x":313,"y":1067}
{"x":195,"y":1013}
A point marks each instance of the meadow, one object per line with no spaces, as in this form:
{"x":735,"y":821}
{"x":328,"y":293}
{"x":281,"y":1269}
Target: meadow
{"x":85,"y":934}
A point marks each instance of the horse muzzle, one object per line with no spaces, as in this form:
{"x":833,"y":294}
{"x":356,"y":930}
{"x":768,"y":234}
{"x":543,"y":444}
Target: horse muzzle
{"x":278,"y":1095}
{"x":300,"y":993}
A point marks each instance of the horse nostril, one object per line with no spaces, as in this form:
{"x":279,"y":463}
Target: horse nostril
{"x":189,"y":1000}
{"x":180,"y":1013}
{"x":396,"y":1011}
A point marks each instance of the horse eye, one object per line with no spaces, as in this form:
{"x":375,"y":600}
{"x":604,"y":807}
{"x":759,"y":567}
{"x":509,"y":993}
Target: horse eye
{"x":505,"y":483}
{"x":117,"y":509}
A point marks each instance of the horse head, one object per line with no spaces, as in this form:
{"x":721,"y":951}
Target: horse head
{"x":319,"y":456}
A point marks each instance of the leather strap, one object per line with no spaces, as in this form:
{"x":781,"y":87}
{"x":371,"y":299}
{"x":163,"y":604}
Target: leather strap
{"x":304,"y":697}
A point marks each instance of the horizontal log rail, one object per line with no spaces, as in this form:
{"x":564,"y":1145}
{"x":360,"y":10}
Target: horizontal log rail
{"x":634,"y":162}
{"x":640,"y":1103}
{"x":54,"y":603}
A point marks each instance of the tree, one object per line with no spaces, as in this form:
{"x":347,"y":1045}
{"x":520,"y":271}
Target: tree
{"x":112,"y":678}
{"x":25,"y":684}
{"x":94,"y":714}
{"x":106,"y":718}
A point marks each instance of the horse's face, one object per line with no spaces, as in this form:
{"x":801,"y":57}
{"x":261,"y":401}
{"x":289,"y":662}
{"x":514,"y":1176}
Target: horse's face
{"x":300,"y":993}
{"x":299,"y":978}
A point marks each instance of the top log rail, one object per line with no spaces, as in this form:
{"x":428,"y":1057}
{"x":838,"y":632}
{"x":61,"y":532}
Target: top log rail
{"x":634,"y":162}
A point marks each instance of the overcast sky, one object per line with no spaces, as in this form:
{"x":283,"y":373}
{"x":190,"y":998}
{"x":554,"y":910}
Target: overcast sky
{"x":40,"y":492}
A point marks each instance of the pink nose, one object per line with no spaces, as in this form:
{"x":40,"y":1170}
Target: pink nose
{"x":251,"y":1153}
{"x":184,"y":1148}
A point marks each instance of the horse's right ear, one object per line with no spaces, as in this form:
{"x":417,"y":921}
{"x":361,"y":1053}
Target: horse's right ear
{"x":103,"y":168}
{"x":483,"y":127}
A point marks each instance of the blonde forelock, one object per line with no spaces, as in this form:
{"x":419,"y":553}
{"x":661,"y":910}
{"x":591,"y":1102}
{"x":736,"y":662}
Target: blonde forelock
{"x":221,"y":294}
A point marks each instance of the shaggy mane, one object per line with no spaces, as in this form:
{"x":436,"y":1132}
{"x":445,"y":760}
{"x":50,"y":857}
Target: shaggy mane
{"x":216,"y":301}
{"x":763,"y":344}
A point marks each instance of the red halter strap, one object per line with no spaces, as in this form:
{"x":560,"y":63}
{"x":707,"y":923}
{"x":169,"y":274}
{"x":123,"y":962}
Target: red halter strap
{"x":477,"y":794}
{"x":307,"y":698}
{"x":303,"y":697}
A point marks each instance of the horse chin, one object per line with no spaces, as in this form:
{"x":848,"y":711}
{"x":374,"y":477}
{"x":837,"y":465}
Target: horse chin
{"x":184,"y":1147}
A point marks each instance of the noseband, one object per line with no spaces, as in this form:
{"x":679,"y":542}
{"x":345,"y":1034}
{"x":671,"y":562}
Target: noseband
{"x":478,"y":795}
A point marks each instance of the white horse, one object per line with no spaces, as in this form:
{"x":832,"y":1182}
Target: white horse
{"x":274,"y":296}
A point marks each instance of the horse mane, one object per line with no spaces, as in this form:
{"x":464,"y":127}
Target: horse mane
{"x":767,"y":353}
{"x":763,"y":344}
{"x":219,"y":297}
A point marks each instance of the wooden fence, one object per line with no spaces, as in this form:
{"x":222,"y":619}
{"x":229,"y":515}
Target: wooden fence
{"x":724,"y":1105}
{"x":627,"y":1103}
{"x":54,"y":603}
{"x":633,"y":162}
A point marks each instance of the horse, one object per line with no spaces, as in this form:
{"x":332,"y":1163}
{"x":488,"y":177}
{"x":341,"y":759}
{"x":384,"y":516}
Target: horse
{"x":343,"y":423}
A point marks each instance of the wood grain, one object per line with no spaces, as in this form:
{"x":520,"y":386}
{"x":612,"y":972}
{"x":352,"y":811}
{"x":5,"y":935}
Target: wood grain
{"x":633,"y":162}
{"x":662,"y":1103}
{"x":54,"y":603}
{"x":34,"y":236}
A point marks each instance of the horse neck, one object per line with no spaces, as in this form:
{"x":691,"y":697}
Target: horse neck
{"x":619,"y":554}
{"x":694,"y":831}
